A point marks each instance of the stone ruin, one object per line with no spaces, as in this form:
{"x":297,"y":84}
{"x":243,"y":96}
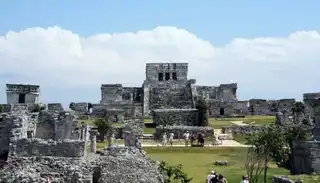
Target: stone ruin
{"x":166,"y":87}
{"x":306,"y":154}
{"x":34,"y":146}
{"x":305,"y":117}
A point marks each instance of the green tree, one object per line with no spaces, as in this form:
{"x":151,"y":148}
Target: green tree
{"x":38,"y":108}
{"x":202,"y":107}
{"x":292,"y":133}
{"x":267,"y":144}
{"x":1,"y":108}
{"x":71,"y":105}
{"x":104,"y":128}
{"x":174,"y":174}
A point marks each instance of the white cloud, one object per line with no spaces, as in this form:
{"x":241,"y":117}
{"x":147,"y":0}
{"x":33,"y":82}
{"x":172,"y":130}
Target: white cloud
{"x":54,"y":57}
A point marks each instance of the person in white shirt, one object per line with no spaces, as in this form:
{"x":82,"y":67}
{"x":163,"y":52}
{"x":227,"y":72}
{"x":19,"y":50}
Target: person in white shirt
{"x":171,"y":136}
{"x":164,"y":139}
{"x":186,"y":136}
{"x":210,"y":176}
{"x":245,"y":179}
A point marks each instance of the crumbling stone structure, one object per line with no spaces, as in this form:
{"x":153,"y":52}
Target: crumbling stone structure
{"x":55,"y":107}
{"x":187,"y":117}
{"x":306,"y":154}
{"x":58,"y":151}
{"x":166,"y":87}
{"x":22,"y":94}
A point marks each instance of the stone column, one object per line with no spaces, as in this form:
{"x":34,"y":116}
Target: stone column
{"x":93,"y":139}
{"x":83,"y":132}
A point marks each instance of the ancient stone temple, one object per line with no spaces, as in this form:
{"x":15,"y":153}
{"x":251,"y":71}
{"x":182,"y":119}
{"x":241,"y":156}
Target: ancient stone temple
{"x":167,"y":87}
{"x":22,"y":94}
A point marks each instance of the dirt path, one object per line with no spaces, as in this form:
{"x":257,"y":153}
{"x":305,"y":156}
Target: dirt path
{"x":239,"y":123}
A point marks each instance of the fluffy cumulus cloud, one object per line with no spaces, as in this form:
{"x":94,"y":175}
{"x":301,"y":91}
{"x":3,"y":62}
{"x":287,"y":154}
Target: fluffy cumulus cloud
{"x":65,"y":63}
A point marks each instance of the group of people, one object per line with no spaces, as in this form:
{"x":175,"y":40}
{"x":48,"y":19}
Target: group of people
{"x":187,"y":138}
{"x":214,"y":177}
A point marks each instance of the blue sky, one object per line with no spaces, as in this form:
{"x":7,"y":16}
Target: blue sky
{"x":218,"y":22}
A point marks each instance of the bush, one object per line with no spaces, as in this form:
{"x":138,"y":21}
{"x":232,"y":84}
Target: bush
{"x":173,"y":174}
{"x":37,"y":108}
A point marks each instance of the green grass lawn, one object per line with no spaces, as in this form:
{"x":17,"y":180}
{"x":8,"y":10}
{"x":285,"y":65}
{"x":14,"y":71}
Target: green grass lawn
{"x":198,"y":162}
{"x":241,"y":138}
{"x":218,"y":124}
{"x":259,"y":120}
{"x":148,"y":120}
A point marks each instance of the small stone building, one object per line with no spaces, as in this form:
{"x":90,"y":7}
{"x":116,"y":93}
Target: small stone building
{"x":22,"y":94}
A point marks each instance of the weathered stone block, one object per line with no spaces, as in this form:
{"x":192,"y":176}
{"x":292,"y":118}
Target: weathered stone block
{"x":306,"y":157}
{"x":281,"y":179}
{"x":39,"y":147}
{"x":188,"y":117}
{"x":242,"y":129}
{"x":55,"y":107}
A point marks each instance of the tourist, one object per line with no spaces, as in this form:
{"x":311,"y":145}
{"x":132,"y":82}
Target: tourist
{"x":171,"y":136}
{"x":200,"y":139}
{"x":164,"y":139}
{"x":212,"y":177}
{"x":245,"y":179}
{"x":186,"y":136}
{"x":192,"y":139}
{"x":221,"y":179}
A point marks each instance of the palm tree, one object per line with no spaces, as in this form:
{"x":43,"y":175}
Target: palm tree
{"x":104,"y":128}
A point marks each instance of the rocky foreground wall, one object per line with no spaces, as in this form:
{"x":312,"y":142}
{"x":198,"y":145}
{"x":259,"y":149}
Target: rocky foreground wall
{"x":242,"y":129}
{"x":39,"y":147}
{"x":280,"y":179}
{"x":123,"y":164}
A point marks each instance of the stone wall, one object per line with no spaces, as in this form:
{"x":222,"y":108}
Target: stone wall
{"x":98,"y":110}
{"x":218,"y":108}
{"x":180,"y":130}
{"x":187,"y":117}
{"x":57,"y":125}
{"x":114,"y":93}
{"x":307,"y":99}
{"x":281,"y":179}
{"x":221,"y":99}
{"x":153,"y":70}
{"x":242,"y":108}
{"x":306,"y":157}
{"x":13,"y":126}
{"x":285,"y":104}
{"x":170,"y":94}
{"x":242,"y":129}
{"x":55,"y":107}
{"x":259,"y":107}
{"x":130,"y":111}
{"x":116,"y":165}
{"x":81,"y":107}
{"x":39,"y":147}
